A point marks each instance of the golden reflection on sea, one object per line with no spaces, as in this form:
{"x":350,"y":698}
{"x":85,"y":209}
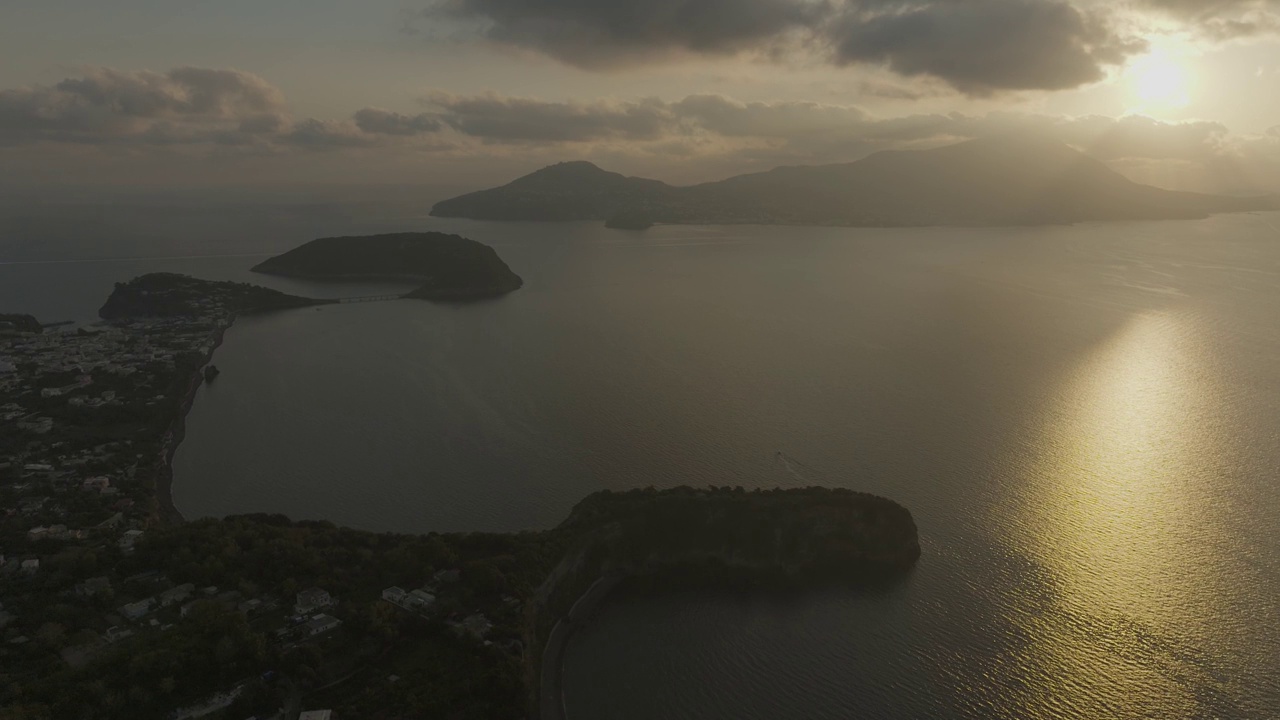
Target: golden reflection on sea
{"x":1122,"y":515}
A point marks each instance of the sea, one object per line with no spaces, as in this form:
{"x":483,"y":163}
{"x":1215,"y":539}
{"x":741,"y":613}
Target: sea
{"x":1084,"y":421}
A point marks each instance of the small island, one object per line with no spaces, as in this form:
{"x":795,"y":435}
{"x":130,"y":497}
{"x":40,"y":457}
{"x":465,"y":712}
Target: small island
{"x":15,"y":323}
{"x":449,"y":267}
{"x":629,"y":220}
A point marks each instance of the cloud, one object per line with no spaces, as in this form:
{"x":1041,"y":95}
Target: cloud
{"x":791,"y":132}
{"x":104,"y":105}
{"x":505,"y":119}
{"x":983,"y":46}
{"x":1224,"y":20}
{"x":385,"y":122}
{"x":977,"y":46}
{"x":185,"y":106}
{"x":607,"y":33}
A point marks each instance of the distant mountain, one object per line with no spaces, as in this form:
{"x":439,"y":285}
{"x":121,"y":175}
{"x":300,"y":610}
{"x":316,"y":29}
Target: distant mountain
{"x":1003,"y":181}
{"x":450,"y":267}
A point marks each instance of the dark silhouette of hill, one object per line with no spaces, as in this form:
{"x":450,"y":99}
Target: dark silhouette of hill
{"x":450,"y":267}
{"x":1019,"y":180}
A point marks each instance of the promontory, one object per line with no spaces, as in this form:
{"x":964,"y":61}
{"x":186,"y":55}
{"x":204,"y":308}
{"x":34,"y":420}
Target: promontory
{"x":449,"y":267}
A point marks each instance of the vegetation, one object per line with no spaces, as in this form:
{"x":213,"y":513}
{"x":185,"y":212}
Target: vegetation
{"x":173,"y":295}
{"x":450,"y":267}
{"x":385,"y":662}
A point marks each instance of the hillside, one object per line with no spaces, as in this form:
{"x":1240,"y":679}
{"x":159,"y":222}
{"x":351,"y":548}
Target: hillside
{"x":173,"y":295}
{"x":1004,"y":181}
{"x":449,"y":267}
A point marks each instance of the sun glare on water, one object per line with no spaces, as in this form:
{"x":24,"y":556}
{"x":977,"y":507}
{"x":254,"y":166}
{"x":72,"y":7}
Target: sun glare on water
{"x":1159,"y":82}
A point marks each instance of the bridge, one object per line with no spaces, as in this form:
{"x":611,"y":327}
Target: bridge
{"x":368,"y":298}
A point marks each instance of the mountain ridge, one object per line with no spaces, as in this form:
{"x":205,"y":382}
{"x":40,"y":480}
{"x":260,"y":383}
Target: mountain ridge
{"x":1015,"y":180}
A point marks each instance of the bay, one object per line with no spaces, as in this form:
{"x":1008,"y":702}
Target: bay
{"x":1082,"y":419}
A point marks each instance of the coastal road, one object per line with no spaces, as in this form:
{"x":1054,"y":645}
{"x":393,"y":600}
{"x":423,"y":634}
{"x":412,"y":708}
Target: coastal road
{"x":551,"y":692}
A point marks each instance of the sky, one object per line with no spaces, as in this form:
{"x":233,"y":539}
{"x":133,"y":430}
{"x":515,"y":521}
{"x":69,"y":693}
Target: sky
{"x":232,"y":93}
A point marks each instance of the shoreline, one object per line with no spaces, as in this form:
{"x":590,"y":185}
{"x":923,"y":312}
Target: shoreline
{"x":551,"y":678}
{"x":166,"y":510}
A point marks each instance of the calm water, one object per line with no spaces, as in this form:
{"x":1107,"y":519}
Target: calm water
{"x":1083,"y":420}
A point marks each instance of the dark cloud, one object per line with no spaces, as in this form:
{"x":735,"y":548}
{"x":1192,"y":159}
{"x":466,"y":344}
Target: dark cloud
{"x":385,"y":122}
{"x":185,"y":106}
{"x":604,"y":33}
{"x":977,"y":46}
{"x":981,"y":46}
{"x":325,"y":135}
{"x":495,"y":118}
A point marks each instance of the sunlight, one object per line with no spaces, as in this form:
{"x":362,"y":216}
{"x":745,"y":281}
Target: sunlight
{"x":1159,"y":82}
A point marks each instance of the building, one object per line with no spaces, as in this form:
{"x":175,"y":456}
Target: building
{"x":99,"y":483}
{"x":311,"y":600}
{"x":322,"y":624}
{"x":318,"y":715}
{"x":420,"y":600}
{"x":136,"y":610}
{"x":415,"y":600}
{"x":30,"y":566}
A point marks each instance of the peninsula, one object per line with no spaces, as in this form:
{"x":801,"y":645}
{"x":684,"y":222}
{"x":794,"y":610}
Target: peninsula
{"x":1018,"y":180}
{"x":448,"y":267}
{"x":116,"y":607}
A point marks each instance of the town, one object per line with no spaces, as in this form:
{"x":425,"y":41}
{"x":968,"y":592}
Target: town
{"x":112,"y":606}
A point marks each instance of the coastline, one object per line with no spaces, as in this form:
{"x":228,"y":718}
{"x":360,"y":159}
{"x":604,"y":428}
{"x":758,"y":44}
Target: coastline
{"x":551,"y":680}
{"x":166,"y":511}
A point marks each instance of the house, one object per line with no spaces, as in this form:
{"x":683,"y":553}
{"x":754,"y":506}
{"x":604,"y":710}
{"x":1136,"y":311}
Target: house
{"x":136,"y":610}
{"x":93,"y":586}
{"x":322,"y":624}
{"x":394,"y":595}
{"x":30,"y":566}
{"x":312,"y":599}
{"x":419,"y":600}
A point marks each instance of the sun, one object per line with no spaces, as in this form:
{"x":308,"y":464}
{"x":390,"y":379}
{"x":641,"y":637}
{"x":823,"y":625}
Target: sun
{"x":1159,"y":82}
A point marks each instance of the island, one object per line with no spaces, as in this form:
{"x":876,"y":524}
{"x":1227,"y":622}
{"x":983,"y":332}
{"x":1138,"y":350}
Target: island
{"x":448,"y":267}
{"x":15,"y":323}
{"x":998,"y":181}
{"x":629,"y":220}
{"x":115,"y":606}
